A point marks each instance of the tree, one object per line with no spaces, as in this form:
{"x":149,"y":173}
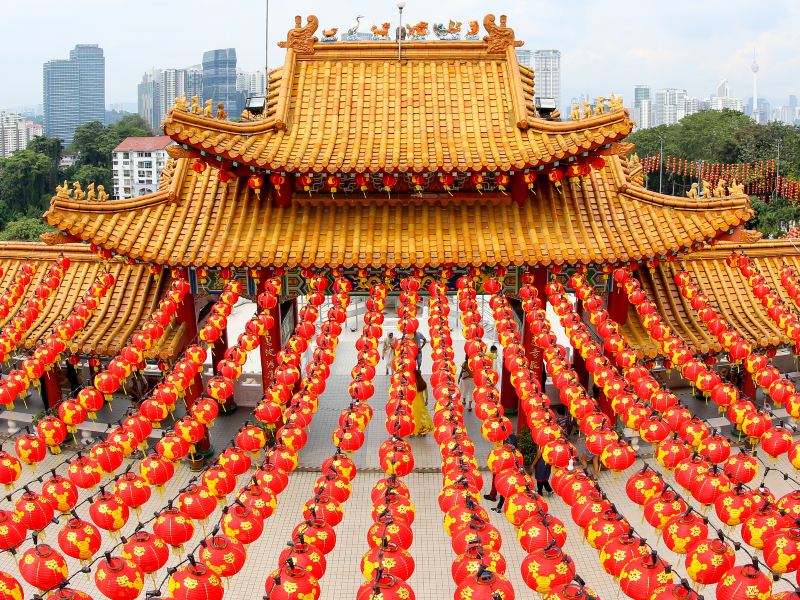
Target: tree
{"x":24,"y":180}
{"x":131,"y":126}
{"x":87,"y":174}
{"x":26,"y":229}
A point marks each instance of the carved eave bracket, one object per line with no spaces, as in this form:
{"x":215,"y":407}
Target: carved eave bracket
{"x":301,"y":39}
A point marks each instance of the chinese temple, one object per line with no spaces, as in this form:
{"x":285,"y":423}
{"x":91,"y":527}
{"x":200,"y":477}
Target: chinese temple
{"x":420,"y":172}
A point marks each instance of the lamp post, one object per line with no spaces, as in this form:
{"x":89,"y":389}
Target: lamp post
{"x":400,"y":32}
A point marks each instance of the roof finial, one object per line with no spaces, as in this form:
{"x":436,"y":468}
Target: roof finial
{"x":301,"y":39}
{"x":500,"y":36}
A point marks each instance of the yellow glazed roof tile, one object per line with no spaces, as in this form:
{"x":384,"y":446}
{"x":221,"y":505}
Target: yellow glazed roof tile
{"x":353,"y":107}
{"x":196,"y":221}
{"x":120,"y":314}
{"x":727,"y":289}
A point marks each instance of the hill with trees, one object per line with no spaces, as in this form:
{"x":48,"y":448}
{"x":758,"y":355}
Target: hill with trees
{"x":28,"y":178}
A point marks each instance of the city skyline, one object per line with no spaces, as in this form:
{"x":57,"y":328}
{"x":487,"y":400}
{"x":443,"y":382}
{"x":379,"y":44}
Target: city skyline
{"x":662,"y":48}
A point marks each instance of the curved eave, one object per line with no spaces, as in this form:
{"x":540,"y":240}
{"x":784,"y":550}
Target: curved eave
{"x":228,"y":225}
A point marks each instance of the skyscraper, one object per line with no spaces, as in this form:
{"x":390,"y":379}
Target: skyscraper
{"x":74,"y":91}
{"x":547,"y":67}
{"x":219,"y":80}
{"x":160,"y":87}
{"x":251,"y":83}
{"x":524,"y":57}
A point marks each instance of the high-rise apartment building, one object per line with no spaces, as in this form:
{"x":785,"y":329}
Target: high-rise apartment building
{"x":137,"y":164}
{"x":219,"y":80}
{"x":525,"y":57}
{"x":15,"y":133}
{"x":547,"y":67}
{"x":160,"y":87}
{"x":669,"y":106}
{"x":251,"y":84}
{"x":74,"y":91}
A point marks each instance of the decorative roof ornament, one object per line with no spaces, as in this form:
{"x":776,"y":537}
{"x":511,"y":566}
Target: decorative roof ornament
{"x":472,"y":32}
{"x":419,"y":31}
{"x":301,"y":39}
{"x":352,"y":33}
{"x":500,"y":36}
{"x":329,"y":35}
{"x":380,"y":33}
{"x":448,"y":32}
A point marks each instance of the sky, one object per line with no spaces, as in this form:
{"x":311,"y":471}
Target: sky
{"x":606,"y":46}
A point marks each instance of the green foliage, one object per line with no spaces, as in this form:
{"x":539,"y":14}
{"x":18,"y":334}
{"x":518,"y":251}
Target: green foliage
{"x":773,"y":218}
{"x":26,"y":229}
{"x":526,"y":445}
{"x":87,"y":174}
{"x":25,"y":179}
{"x":727,"y":137}
{"x":95,"y":142}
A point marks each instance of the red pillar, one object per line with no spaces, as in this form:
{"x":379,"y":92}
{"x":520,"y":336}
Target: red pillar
{"x":534,"y":354}
{"x":218,"y":354}
{"x":186,"y":314}
{"x":577,"y":360}
{"x":51,"y":388}
{"x":748,"y":386}
{"x":270,"y":344}
{"x":617,"y":307}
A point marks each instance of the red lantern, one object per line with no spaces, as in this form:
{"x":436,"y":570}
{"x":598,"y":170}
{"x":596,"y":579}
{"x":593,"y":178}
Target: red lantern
{"x":682,"y":532}
{"x":242,"y":524}
{"x":30,"y":449}
{"x":79,"y":539}
{"x":485,"y":585}
{"x":12,"y":530}
{"x":148,"y":552}
{"x":709,"y":560}
{"x":385,"y":587}
{"x":34,"y":510}
{"x":156,"y":470}
{"x":291,"y":583}
{"x":108,"y":512}
{"x":390,"y":558}
{"x":222,"y":554}
{"x":10,"y":589}
{"x":118,"y":578}
{"x":195,"y":581}
{"x":174,"y":527}
{"x":42,"y":567}
{"x":133,"y":490}
{"x":546,"y":568}
{"x":641,"y":576}
{"x":745,"y":581}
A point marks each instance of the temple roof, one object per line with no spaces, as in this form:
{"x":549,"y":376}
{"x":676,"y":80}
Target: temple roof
{"x":195,"y":220}
{"x":120,"y":314}
{"x":727,"y":290}
{"x":354,"y":107}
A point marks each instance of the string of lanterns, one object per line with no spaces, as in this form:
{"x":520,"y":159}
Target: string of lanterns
{"x":539,"y":533}
{"x":479,"y":568}
{"x":387,"y":564}
{"x":10,"y":298}
{"x":740,"y":411}
{"x":110,"y":511}
{"x":34,"y":367}
{"x":760,"y":177}
{"x":757,"y":425}
{"x":51,"y":431}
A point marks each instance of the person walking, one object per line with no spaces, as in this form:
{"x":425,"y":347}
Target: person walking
{"x":467,"y":385}
{"x":423,"y":424}
{"x":541,"y":472}
{"x":387,"y":352}
{"x":421,"y":341}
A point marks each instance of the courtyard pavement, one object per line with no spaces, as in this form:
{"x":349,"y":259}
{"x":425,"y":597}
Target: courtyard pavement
{"x":431,"y":549}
